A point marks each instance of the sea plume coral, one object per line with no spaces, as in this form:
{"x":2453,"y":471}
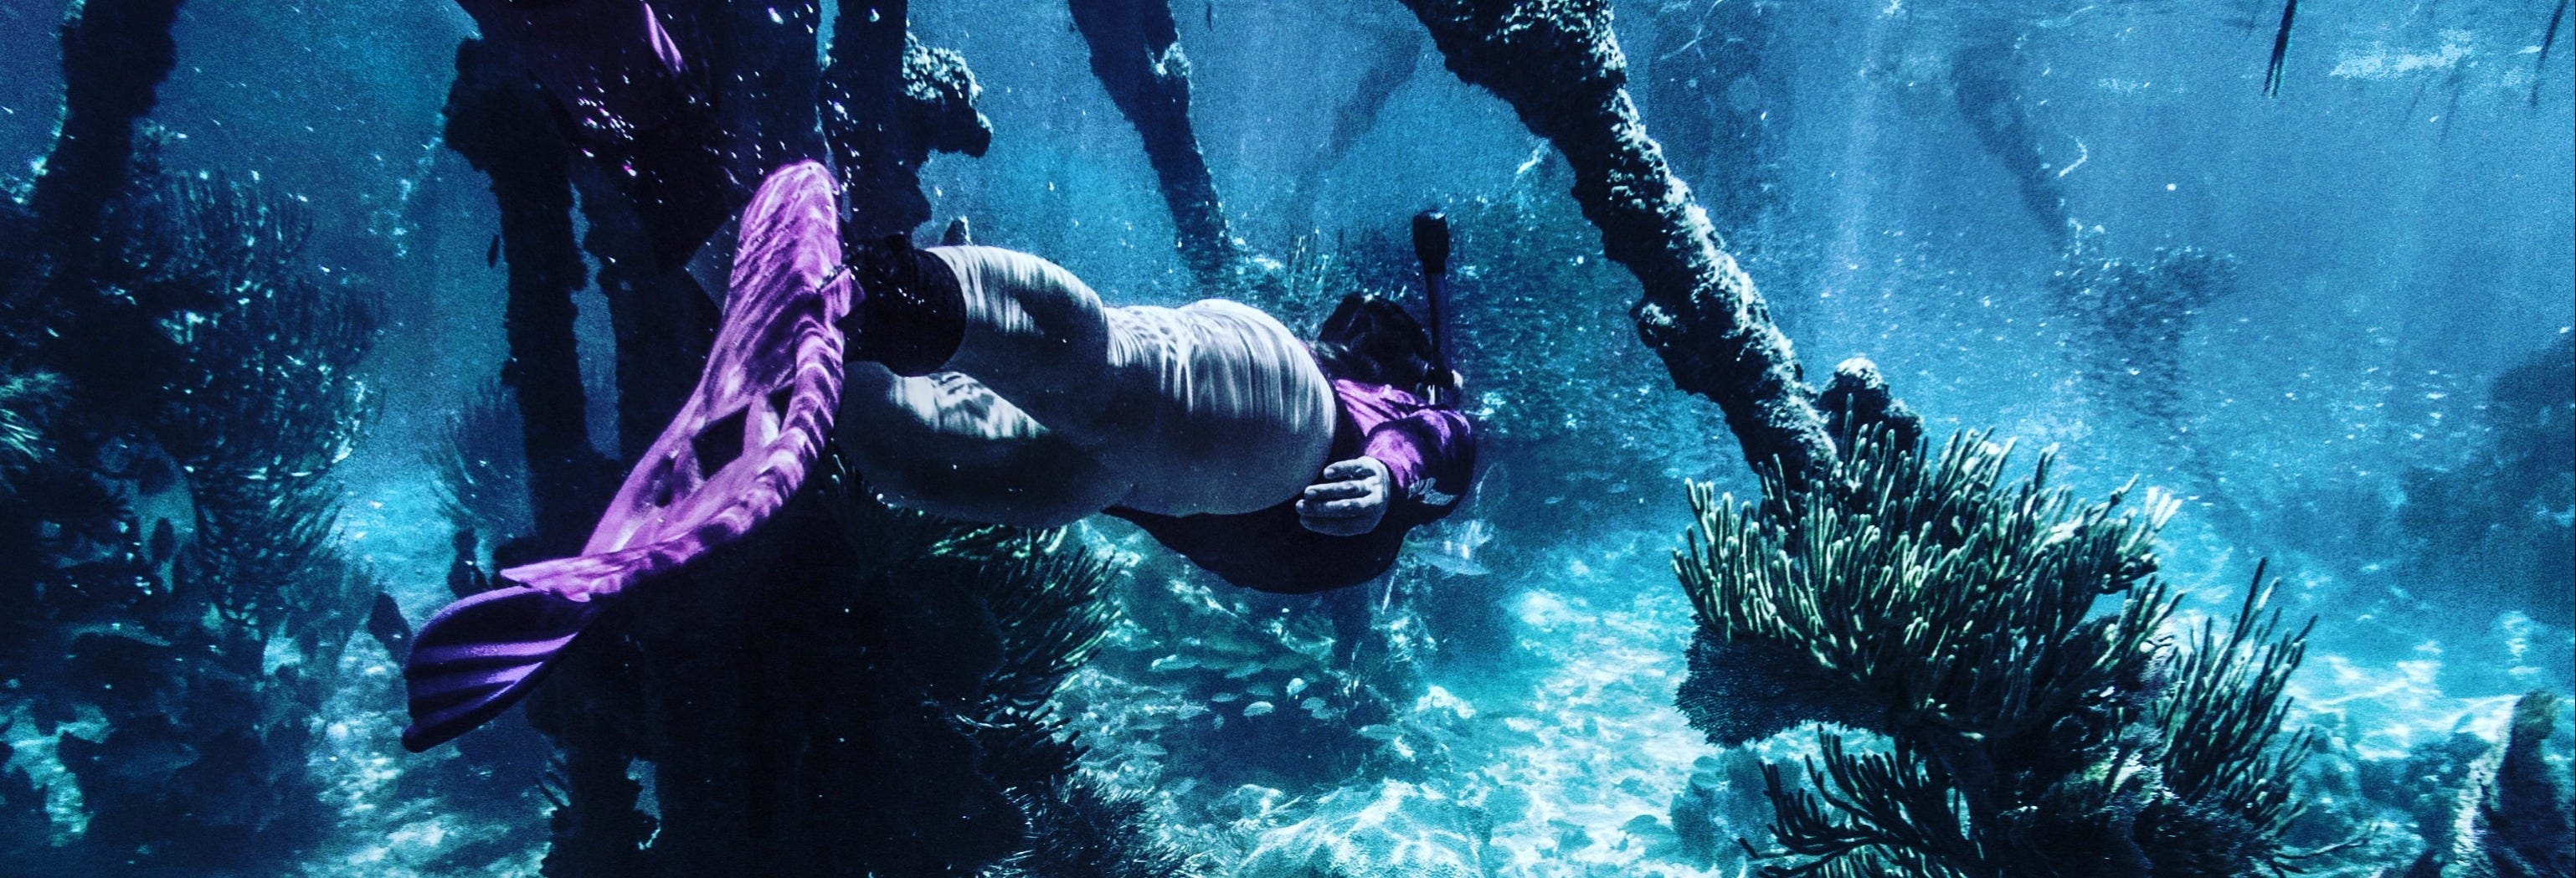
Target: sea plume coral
{"x":1924,"y":598}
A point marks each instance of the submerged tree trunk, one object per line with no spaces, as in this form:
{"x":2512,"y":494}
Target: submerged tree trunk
{"x":115,"y":55}
{"x":1394,"y":55}
{"x":499,"y":122}
{"x":1559,"y":66}
{"x":1984,"y":81}
{"x":1136,"y":53}
{"x":888,"y":103}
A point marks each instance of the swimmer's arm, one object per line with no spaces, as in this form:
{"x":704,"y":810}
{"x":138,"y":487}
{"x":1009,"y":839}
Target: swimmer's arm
{"x":1412,"y":470}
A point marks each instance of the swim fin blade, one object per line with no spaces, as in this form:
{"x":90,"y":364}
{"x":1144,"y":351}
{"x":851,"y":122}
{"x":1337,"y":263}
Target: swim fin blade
{"x":739,"y":447}
{"x":479,"y":655}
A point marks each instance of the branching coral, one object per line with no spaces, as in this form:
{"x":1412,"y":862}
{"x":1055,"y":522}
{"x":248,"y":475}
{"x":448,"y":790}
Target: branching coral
{"x":1925,"y":599}
{"x":482,"y":468}
{"x":213,"y":382}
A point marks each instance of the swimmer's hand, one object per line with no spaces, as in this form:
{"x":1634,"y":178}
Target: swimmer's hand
{"x":1349,"y":499}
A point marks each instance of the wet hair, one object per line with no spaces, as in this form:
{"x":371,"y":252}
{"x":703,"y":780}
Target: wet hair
{"x":1373,"y":340}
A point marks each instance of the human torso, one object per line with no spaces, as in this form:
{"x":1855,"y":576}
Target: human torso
{"x":1246,"y":418}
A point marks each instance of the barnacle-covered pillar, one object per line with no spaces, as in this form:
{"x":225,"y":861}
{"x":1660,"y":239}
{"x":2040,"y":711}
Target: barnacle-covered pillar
{"x":888,"y":103}
{"x":499,"y":122}
{"x":1559,"y":66}
{"x":115,"y":55}
{"x":1136,"y":53}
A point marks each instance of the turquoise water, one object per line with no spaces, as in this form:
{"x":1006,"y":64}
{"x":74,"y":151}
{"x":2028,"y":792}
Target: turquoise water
{"x":2373,"y":391}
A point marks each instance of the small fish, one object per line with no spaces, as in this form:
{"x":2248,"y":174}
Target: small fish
{"x":1223,"y":697}
{"x":1455,"y":551}
{"x":1380,"y":732}
{"x":2280,"y":50}
{"x":1235,"y":645}
{"x":1148,"y":749}
{"x":1296,"y":685}
{"x":1311,"y":705}
{"x":1245,"y":670}
{"x":1211,"y":14}
{"x":492,"y":256}
{"x":1258,"y":708}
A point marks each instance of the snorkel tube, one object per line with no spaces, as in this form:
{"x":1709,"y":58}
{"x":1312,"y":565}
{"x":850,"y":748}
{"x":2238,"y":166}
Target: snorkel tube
{"x":1431,"y":246}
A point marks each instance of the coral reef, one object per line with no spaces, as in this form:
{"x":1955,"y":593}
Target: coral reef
{"x":179,"y":613}
{"x":874,"y":701}
{"x":1954,"y":614}
{"x":1722,"y":802}
{"x":2511,"y":818}
{"x":179,"y":383}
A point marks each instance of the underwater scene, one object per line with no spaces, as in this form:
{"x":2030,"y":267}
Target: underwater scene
{"x":1494,"y":438}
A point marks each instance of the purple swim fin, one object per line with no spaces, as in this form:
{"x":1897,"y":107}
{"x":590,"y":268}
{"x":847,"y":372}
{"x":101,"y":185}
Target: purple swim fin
{"x":476,"y":657}
{"x":738,"y":448}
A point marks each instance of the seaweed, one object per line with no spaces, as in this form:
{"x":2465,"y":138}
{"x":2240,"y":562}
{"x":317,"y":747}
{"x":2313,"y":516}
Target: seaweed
{"x":1924,"y":599}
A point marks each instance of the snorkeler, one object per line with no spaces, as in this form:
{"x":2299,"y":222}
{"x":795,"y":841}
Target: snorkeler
{"x":988,"y":385}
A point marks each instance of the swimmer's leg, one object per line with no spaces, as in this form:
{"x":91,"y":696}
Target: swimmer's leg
{"x":948,"y":445}
{"x":1022,"y":326}
{"x":738,"y":448}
